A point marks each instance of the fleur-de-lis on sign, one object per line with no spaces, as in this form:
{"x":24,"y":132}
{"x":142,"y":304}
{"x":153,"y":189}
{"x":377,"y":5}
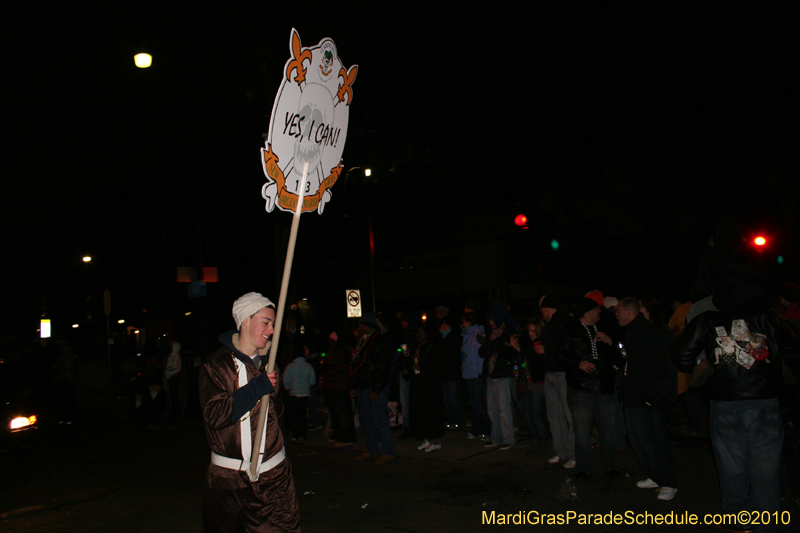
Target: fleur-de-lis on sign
{"x":298,"y":56}
{"x":348,"y":77}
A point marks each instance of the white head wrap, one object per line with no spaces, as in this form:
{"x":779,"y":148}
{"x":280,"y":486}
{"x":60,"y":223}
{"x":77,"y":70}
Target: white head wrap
{"x":248,"y":305}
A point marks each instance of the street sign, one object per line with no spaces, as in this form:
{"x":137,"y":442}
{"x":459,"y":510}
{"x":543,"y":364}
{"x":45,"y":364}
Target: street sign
{"x":197,"y":288}
{"x":353,"y":304}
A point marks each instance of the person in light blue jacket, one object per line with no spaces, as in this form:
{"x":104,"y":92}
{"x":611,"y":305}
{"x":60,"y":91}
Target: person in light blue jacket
{"x":298,"y":378}
{"x":471,"y":370}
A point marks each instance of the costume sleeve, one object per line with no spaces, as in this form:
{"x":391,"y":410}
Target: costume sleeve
{"x":245,"y":398}
{"x":215,"y":400}
{"x":221,"y":403}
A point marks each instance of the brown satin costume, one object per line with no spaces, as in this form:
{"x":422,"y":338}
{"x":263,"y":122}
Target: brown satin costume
{"x":231,"y":502}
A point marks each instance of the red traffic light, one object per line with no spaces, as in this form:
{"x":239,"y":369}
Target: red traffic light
{"x":760,"y":240}
{"x":521,"y":220}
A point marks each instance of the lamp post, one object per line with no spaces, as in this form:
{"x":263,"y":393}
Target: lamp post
{"x":367,"y":173}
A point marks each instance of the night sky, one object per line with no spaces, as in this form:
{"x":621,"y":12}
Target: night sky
{"x":626,"y":131}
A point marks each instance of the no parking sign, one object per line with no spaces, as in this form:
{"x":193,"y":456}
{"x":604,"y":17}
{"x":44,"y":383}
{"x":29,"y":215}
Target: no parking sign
{"x":353,"y":303}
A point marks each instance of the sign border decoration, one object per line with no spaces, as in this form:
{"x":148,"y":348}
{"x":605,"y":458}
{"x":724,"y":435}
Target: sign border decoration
{"x":308,"y":124}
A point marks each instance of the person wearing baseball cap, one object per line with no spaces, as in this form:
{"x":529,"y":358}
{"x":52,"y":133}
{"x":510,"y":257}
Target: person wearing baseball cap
{"x":589,"y":359}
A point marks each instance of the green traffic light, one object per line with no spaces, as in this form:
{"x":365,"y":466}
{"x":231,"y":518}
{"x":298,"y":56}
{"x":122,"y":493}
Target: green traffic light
{"x":554,"y":245}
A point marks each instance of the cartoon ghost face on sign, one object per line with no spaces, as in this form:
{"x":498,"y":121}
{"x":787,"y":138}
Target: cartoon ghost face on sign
{"x":315,"y":110}
{"x":308,"y":126}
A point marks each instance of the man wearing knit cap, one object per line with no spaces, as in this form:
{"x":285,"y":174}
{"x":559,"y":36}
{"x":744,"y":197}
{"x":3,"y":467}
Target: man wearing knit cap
{"x":371,"y":369}
{"x":231,"y":387}
{"x":555,"y":383}
{"x":587,"y":355}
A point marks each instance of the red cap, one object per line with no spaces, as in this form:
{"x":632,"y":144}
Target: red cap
{"x":597,"y":296}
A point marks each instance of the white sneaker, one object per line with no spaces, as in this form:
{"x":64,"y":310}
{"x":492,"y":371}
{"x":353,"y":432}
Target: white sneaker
{"x":433,"y":447}
{"x":424,"y":445}
{"x":569,"y":464}
{"x":553,"y":460}
{"x":470,"y":436}
{"x":666,"y":493}
{"x":647,"y":484}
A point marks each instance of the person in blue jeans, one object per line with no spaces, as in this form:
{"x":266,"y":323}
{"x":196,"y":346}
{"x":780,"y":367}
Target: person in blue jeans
{"x":530,"y":386}
{"x":471,"y":371}
{"x":371,"y":368}
{"x":645,"y":394}
{"x":746,"y":346}
{"x":451,"y":353}
{"x":587,"y":355}
{"x":298,"y":378}
{"x":499,"y":359}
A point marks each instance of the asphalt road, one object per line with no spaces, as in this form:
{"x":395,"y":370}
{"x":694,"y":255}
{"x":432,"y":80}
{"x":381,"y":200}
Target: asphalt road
{"x":103,"y":476}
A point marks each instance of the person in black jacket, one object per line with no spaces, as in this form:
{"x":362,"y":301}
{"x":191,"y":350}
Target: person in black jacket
{"x":371,"y":370}
{"x":426,"y":394}
{"x":498,"y":363}
{"x":746,"y":347}
{"x":589,"y":359}
{"x":530,"y":385}
{"x":555,"y":383}
{"x":645,"y":395}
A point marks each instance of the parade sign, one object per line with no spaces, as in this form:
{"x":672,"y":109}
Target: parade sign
{"x":303,"y":156}
{"x":308,"y":126}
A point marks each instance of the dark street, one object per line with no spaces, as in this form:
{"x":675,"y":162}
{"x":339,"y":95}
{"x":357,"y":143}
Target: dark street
{"x":105,"y":477}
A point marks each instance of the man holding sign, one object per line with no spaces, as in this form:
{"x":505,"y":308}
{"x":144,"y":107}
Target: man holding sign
{"x":231,"y":389}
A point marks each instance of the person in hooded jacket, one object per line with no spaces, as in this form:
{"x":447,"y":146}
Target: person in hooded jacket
{"x":231,"y":387}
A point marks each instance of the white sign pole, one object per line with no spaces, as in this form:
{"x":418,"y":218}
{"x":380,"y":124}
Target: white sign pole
{"x":276,"y":337}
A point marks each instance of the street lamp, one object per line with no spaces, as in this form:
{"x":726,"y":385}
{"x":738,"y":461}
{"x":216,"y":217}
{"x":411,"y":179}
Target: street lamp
{"x":367,"y":173}
{"x":143,"y":60}
{"x":87,"y":258}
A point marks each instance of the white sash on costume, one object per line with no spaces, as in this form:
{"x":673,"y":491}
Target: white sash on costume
{"x":247,"y":442}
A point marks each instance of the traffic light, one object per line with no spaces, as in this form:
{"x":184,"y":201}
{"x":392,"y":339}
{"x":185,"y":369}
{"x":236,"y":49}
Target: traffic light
{"x":760,"y":241}
{"x":521,"y":221}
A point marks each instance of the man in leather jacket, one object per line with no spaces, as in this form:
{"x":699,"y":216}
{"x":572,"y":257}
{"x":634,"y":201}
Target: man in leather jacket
{"x":746,"y":348}
{"x":589,"y":358}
